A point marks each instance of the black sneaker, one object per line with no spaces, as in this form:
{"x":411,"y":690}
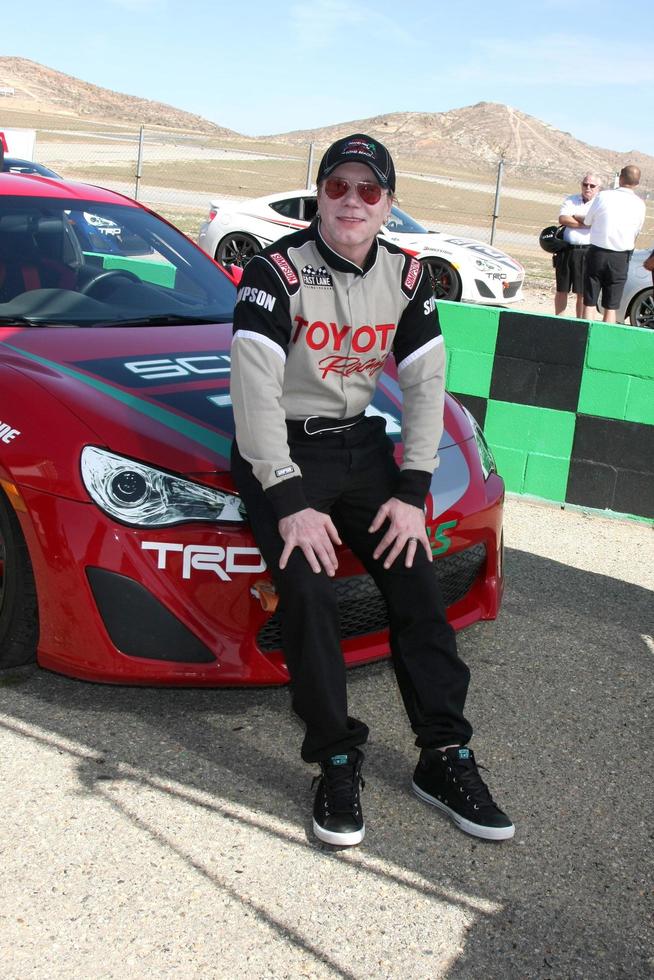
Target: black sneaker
{"x":450,"y":780}
{"x":337,"y":816}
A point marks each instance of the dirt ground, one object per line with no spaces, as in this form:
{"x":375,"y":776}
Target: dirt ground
{"x":539,"y":298}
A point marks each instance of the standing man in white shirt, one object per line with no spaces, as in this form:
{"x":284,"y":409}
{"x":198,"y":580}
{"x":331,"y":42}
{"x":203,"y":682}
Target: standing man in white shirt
{"x":615,"y":218}
{"x":570,"y":262}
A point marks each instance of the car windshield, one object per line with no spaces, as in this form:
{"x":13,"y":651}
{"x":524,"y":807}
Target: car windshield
{"x":83,"y":263}
{"x":401,"y":223}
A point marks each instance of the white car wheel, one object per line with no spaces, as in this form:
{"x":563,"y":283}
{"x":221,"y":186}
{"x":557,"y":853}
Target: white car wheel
{"x":237,"y":249}
{"x":445,"y":280}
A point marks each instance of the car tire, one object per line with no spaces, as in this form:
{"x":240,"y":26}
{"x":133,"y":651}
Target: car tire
{"x":641,"y":311}
{"x":445,"y":280}
{"x":19,"y":616}
{"x":237,"y":249}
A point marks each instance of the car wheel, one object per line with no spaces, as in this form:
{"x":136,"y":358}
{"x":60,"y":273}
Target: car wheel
{"x":641,"y":311}
{"x":237,"y":249}
{"x":445,"y":280}
{"x":19,"y":617}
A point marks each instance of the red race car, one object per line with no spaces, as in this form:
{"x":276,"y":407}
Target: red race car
{"x":125,"y":553}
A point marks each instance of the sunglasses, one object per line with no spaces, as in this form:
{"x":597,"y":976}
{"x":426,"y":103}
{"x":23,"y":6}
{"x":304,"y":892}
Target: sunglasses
{"x":588,"y":185}
{"x":369,"y":193}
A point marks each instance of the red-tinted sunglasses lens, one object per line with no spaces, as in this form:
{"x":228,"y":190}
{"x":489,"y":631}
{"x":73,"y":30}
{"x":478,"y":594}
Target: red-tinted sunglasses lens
{"x":369,"y":193}
{"x":335,"y":187}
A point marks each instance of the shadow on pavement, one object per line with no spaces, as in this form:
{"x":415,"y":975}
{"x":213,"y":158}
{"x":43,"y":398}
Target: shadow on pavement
{"x":560,"y":698}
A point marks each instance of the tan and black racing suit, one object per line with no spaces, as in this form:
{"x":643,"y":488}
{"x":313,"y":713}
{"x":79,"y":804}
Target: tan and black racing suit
{"x":312,"y":332}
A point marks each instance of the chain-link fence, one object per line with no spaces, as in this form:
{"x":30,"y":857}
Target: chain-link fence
{"x":179,"y":175}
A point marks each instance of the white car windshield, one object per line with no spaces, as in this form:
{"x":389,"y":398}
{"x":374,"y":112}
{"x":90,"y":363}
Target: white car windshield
{"x":84,"y":263}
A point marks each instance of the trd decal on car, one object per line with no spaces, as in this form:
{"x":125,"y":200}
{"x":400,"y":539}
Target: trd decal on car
{"x":7,"y":433}
{"x":209,"y":558}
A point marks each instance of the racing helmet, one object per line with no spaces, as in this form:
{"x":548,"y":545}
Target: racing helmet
{"x":551,"y":239}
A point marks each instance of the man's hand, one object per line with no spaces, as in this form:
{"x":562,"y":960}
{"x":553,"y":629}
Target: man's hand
{"x":406,"y":527}
{"x":315,"y":534}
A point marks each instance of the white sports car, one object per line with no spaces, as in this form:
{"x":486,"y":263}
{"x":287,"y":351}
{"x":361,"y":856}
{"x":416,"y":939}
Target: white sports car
{"x":637,"y":306}
{"x":461,"y":268}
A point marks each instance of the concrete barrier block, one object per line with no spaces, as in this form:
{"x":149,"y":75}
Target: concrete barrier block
{"x":532,"y":429}
{"x":469,"y":327}
{"x":512,"y":464}
{"x":469,"y":372}
{"x":536,"y":383}
{"x":604,"y":393}
{"x":546,"y":339}
{"x":546,"y":476}
{"x":626,"y":350}
{"x":640,"y":401}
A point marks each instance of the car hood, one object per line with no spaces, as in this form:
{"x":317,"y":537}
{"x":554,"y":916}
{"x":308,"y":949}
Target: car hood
{"x":453,"y":246}
{"x":161,"y":394}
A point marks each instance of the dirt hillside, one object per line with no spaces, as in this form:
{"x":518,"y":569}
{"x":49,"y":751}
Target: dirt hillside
{"x":471,"y":139}
{"x":475,"y":137}
{"x":46,"y":91}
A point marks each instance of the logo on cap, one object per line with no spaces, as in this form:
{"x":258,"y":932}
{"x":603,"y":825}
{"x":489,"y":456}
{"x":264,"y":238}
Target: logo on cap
{"x":359,"y":146}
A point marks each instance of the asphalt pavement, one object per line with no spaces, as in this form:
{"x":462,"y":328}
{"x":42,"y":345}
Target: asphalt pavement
{"x":167,"y":833}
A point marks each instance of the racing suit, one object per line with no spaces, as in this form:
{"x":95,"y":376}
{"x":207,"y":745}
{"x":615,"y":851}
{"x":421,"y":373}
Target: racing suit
{"x":312,"y":332}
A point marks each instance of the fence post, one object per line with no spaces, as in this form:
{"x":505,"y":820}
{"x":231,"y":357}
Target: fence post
{"x":498,"y":191}
{"x":139,"y":164}
{"x":309,"y":165}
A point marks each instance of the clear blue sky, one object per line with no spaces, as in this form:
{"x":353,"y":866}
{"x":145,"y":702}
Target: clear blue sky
{"x":262,"y":67}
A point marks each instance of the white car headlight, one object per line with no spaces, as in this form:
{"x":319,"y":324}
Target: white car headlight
{"x":143,"y":496}
{"x":487,"y":266}
{"x":486,"y":457}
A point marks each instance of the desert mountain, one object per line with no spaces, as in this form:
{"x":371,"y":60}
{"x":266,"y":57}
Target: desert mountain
{"x":472,"y":138}
{"x":46,"y":91}
{"x":475,"y":137}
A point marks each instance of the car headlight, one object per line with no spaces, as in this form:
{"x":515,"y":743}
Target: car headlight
{"x":147,"y":497}
{"x":487,"y":266}
{"x":486,"y":457}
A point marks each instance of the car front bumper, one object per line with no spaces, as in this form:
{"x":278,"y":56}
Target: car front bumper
{"x":175,"y":607}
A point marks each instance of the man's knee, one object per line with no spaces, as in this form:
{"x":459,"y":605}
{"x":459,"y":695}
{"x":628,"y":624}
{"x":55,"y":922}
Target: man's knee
{"x":300,"y":586}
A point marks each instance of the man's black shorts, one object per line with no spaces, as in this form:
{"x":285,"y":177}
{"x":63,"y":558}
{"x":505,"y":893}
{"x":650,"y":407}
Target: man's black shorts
{"x":606,"y":272}
{"x":570,"y":264}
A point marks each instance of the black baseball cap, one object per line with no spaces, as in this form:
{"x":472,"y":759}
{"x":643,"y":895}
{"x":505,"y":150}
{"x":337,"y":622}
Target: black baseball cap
{"x":359,"y":148}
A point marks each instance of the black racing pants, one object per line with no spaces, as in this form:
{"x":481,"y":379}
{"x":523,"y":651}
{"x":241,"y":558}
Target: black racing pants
{"x":349,"y":475}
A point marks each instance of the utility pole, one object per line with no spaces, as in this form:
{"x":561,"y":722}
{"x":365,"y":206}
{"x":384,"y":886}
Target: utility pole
{"x":139,"y":164}
{"x":309,"y":165}
{"x":498,"y":191}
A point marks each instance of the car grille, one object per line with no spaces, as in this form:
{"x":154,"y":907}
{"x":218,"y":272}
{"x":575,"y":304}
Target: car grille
{"x":362,"y":609}
{"x":511,"y":288}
